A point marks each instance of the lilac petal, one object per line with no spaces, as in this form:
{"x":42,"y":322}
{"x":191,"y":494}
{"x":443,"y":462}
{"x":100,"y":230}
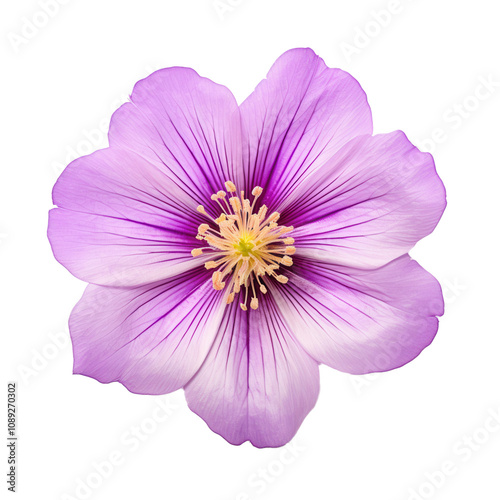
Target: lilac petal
{"x":187,"y":125}
{"x":361,"y":321}
{"x":370,"y":204}
{"x":296,"y":119}
{"x":257,"y":382}
{"x":121,"y":221}
{"x":152,"y":338}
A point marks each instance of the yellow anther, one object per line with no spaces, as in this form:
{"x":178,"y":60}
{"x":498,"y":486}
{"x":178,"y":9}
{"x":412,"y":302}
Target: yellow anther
{"x":230,"y":187}
{"x":263,"y":289}
{"x":230,"y":298}
{"x":257,"y":191}
{"x":244,"y":307}
{"x":287,"y":261}
{"x":235,"y":203}
{"x":211,"y":264}
{"x":289,"y":241}
{"x":203,"y":228}
{"x":201,"y":209}
{"x":282,"y":279}
{"x":217,"y":282}
{"x":195,"y":252}
{"x":262,"y":212}
{"x":254,"y":303}
{"x":221,"y":194}
{"x":220,"y":219}
{"x":290,"y":250}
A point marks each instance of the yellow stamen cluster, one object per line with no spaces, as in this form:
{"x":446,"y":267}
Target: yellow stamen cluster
{"x":248,"y":246}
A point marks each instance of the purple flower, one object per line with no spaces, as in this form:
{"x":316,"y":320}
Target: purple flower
{"x":230,"y":250}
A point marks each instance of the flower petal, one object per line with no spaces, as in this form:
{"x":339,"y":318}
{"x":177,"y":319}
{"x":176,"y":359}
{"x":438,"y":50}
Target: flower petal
{"x":257,"y":382}
{"x":369,"y":205}
{"x":361,"y":321}
{"x":187,"y":125}
{"x":152,"y":338}
{"x":296,"y":119}
{"x":122,"y":221}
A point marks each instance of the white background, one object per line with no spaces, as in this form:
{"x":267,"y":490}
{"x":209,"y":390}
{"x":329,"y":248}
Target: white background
{"x":379,"y":438}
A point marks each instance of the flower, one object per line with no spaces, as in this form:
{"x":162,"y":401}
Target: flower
{"x":230,"y":250}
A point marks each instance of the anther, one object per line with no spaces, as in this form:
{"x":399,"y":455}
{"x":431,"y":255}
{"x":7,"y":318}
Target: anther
{"x":282,"y":279}
{"x":287,"y":261}
{"x":254,"y":303}
{"x":290,"y":250}
{"x":235,"y":203}
{"x":230,"y":187}
{"x":195,"y":252}
{"x":257,"y":191}
{"x":201,"y":209}
{"x":217,"y":282}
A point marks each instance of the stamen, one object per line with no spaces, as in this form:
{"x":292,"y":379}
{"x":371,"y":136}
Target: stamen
{"x":257,"y":191}
{"x":235,"y":203}
{"x":218,"y":284}
{"x":246,"y":246}
{"x":274,"y":217}
{"x":262,"y":212}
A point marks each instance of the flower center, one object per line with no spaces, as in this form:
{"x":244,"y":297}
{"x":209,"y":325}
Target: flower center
{"x":248,"y":246}
{"x":244,"y":247}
